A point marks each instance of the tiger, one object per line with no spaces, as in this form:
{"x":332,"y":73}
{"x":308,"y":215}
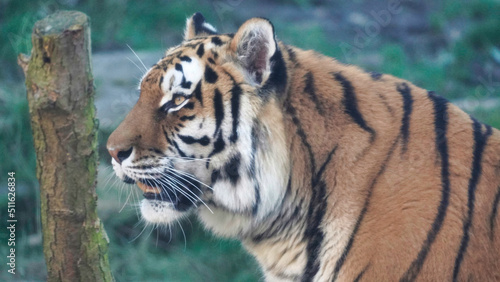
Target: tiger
{"x":323,"y":171}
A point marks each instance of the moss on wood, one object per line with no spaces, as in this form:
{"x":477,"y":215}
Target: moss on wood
{"x":60,"y":92}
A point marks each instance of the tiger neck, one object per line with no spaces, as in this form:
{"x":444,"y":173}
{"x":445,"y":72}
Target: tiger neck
{"x":284,"y":242}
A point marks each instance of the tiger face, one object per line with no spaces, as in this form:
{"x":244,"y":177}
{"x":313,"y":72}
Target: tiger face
{"x":199,"y":137}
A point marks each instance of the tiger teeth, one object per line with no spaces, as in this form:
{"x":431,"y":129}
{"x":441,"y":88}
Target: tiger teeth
{"x":148,"y":189}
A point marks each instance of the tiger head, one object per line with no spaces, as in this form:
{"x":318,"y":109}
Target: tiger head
{"x":207,"y":132}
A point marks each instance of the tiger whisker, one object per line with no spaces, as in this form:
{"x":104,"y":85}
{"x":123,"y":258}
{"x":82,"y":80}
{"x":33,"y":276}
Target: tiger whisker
{"x":159,"y":170}
{"x":188,"y":190}
{"x":182,"y":192}
{"x":145,"y":68}
{"x":189,"y":175}
{"x":126,"y":201}
{"x":188,"y":158}
{"x":184,"y":234}
{"x":181,"y":176}
{"x":134,"y":63}
{"x":170,"y":198}
{"x":140,"y":233}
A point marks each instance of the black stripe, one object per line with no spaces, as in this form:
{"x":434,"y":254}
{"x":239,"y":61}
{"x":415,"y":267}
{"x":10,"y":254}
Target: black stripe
{"x":161,"y":81}
{"x":156,"y":151}
{"x":479,"y":144}
{"x":219,"y":145}
{"x":210,"y":75}
{"x":440,"y":128}
{"x":291,"y":54}
{"x":360,"y":275}
{"x":300,"y":131}
{"x":405,"y":92}
{"x":309,"y":89}
{"x":352,"y":237}
{"x":215,"y":176}
{"x":216,"y":40}
{"x":386,"y":104}
{"x":375,"y":75}
{"x":181,"y":153}
{"x":197,"y":93}
{"x":255,"y":207}
{"x":253,"y":172}
{"x":189,"y":106}
{"x":282,"y":221}
{"x":315,"y":180}
{"x":198,"y":21}
{"x":494,"y":212}
{"x":201,"y":50}
{"x":317,"y":205}
{"x":166,"y":136}
{"x":184,"y":118}
{"x":232,"y":168}
{"x":315,"y":214}
{"x":235,"y":111}
{"x":203,"y":141}
{"x":185,"y":59}
{"x":219,"y":110}
{"x":313,"y":232}
{"x":277,"y":80}
{"x":185,"y":84}
{"x":351,"y":105}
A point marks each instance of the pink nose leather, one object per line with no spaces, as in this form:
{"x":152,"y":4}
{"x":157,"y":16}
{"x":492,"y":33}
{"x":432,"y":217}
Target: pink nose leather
{"x":114,"y":155}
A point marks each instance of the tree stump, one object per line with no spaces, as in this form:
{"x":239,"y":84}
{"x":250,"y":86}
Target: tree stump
{"x":60,"y":93}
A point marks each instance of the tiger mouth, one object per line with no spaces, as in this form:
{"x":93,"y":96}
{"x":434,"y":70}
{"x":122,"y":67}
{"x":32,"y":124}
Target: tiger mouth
{"x":148,"y":189}
{"x":182,"y":194}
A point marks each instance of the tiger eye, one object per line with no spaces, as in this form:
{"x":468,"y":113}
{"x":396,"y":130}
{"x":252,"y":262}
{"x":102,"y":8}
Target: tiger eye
{"x":179,"y":99}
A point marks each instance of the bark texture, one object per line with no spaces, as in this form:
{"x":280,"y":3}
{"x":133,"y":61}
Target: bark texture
{"x":60,"y":92}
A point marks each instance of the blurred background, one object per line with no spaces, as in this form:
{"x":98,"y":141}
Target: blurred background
{"x":450,"y":46}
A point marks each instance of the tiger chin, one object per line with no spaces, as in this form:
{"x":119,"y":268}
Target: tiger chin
{"x":325,"y":172}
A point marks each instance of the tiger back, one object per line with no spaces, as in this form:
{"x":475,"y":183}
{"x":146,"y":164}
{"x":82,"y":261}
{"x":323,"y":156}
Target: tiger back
{"x":324,"y":171}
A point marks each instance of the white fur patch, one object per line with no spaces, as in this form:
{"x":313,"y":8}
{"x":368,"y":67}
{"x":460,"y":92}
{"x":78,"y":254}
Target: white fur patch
{"x":121,"y":170}
{"x":159,"y":212}
{"x":271,"y":174}
{"x":191,"y":71}
{"x":209,"y":27}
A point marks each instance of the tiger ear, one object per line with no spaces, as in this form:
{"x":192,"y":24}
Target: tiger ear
{"x":196,"y":26}
{"x":253,"y":45}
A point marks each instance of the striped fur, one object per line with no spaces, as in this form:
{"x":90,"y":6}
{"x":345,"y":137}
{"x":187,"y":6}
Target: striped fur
{"x":324,"y":171}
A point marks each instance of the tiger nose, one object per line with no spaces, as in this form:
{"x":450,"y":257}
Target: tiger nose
{"x":120,"y":155}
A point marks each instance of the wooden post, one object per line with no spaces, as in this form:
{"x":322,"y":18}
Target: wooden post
{"x":60,"y":92}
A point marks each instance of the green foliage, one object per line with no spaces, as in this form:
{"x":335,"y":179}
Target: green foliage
{"x":17,"y":155}
{"x":489,"y":116}
{"x":16,"y":141}
{"x":395,"y":61}
{"x":115,"y":23}
{"x":308,"y":36}
{"x":485,"y":34}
